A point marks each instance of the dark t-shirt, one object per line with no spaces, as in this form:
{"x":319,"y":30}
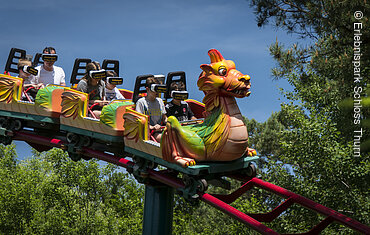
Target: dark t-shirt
{"x":182,"y":112}
{"x":95,"y":92}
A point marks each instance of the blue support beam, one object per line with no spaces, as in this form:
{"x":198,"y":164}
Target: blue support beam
{"x":158,"y":210}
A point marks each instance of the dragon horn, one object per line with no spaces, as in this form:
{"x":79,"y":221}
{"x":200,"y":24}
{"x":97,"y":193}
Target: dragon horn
{"x":215,"y":56}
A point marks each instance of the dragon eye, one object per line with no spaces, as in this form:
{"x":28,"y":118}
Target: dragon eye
{"x":222,"y":71}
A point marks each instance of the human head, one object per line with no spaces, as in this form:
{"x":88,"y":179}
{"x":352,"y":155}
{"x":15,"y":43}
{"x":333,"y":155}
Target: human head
{"x":149,"y":82}
{"x":49,"y":50}
{"x":107,"y":84}
{"x":177,"y":86}
{"x":21,"y":64}
{"x":92,"y":66}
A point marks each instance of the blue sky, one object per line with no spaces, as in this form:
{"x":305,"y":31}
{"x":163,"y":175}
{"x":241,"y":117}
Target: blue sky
{"x":154,"y":37}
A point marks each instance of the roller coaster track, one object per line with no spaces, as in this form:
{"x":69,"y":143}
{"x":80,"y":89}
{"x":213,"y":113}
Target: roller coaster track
{"x":220,"y":202}
{"x":160,"y":185}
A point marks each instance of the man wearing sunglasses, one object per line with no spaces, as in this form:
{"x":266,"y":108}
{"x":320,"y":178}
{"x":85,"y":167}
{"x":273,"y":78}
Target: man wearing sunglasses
{"x":48,"y":72}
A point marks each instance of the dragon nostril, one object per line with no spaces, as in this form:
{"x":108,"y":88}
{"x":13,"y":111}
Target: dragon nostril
{"x":244,"y":78}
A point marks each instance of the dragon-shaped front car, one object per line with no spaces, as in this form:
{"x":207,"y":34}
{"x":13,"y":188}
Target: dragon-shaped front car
{"x":223,"y":135}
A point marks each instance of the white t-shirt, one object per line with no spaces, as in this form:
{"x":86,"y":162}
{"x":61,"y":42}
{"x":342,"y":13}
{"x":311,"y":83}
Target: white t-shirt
{"x":56,"y":76}
{"x":113,"y":94}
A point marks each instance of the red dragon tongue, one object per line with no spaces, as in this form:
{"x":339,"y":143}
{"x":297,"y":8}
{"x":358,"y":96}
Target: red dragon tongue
{"x":215,"y":56}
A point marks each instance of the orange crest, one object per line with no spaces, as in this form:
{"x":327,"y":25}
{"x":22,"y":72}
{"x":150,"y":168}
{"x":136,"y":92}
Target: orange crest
{"x":221,"y":77}
{"x":215,"y":56}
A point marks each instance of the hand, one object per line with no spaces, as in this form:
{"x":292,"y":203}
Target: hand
{"x":155,"y":127}
{"x":39,"y":86}
{"x":101,"y":102}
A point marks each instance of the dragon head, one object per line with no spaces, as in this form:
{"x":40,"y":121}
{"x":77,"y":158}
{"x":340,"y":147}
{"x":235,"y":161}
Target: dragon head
{"x":220,"y":78}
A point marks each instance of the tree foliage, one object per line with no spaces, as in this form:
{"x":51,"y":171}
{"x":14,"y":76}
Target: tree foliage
{"x":322,"y":71}
{"x":311,"y":150}
{"x":51,"y":194}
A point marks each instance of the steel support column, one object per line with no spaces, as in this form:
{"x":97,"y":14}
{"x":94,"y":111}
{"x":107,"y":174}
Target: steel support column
{"x":158,"y":210}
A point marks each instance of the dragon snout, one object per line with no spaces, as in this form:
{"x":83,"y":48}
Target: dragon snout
{"x":244,"y":78}
{"x":240,"y":77}
{"x":237,"y":84}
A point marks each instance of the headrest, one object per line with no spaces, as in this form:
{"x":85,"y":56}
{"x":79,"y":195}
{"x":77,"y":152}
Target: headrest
{"x":160,"y":78}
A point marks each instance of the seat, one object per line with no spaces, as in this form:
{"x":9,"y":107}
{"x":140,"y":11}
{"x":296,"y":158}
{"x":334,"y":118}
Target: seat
{"x":111,"y":65}
{"x":12,"y":63}
{"x":79,"y":69}
{"x":37,"y":60}
{"x":140,"y":86}
{"x":174,"y":77}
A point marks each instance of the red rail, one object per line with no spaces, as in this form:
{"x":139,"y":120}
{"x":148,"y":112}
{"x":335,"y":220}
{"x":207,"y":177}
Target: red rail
{"x":221,"y":202}
{"x":236,"y":214}
{"x":332,"y":216}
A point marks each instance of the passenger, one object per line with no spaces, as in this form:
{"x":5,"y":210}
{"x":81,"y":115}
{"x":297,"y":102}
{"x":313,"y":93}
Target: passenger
{"x":48,"y":72}
{"x":178,"y":107}
{"x":92,"y":84}
{"x":112,"y":92}
{"x":153,"y":106}
{"x":29,"y":82}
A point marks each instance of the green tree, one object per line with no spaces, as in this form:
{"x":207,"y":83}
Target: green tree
{"x":322,"y":71}
{"x":307,"y":147}
{"x":314,"y":155}
{"x":49,"y":193}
